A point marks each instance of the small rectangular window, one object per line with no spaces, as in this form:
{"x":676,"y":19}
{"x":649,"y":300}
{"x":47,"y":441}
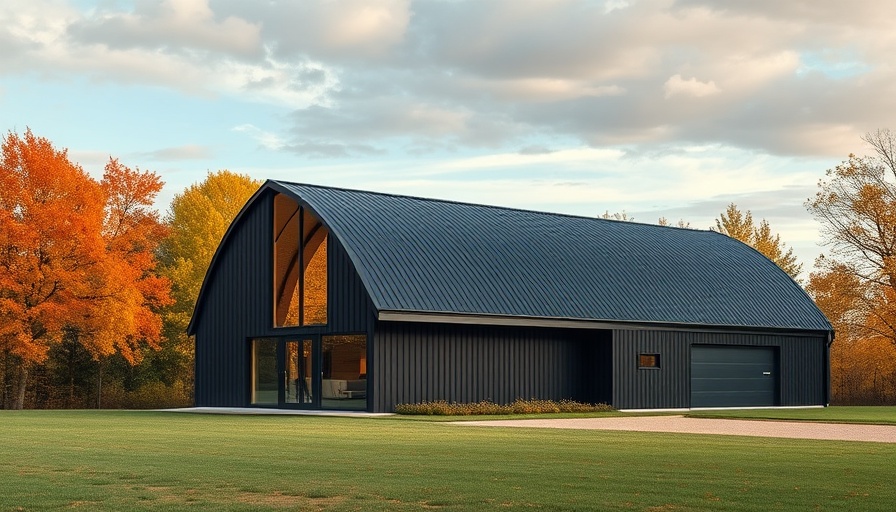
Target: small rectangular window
{"x":648,"y":360}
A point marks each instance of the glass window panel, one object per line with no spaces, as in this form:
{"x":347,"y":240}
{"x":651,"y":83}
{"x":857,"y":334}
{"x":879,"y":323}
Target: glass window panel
{"x":264,"y":371}
{"x":300,"y":278}
{"x":286,"y":253}
{"x":315,"y":285}
{"x":648,"y":360}
{"x":298,"y":372}
{"x":344,"y":384}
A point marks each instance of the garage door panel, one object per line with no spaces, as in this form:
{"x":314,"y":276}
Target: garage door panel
{"x":731,"y":354}
{"x":713,"y":398}
{"x":731,"y":385}
{"x":728,"y":370}
{"x":733,"y":376}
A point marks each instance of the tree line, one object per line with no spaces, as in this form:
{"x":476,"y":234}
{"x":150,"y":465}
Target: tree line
{"x":97,"y":288}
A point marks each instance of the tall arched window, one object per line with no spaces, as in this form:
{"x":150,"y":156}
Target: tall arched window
{"x":300,"y":276}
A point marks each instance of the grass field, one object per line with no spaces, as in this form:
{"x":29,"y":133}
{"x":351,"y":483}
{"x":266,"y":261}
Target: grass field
{"x":839,"y":414}
{"x":92,"y":460}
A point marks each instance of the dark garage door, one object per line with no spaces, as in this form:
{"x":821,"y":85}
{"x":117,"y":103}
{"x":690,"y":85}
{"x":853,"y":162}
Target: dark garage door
{"x":733,"y":376}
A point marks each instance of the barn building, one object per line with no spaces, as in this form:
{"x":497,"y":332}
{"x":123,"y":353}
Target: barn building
{"x":326,"y":298}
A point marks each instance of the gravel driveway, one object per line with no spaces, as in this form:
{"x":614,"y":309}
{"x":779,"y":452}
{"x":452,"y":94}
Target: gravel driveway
{"x":682,"y":425}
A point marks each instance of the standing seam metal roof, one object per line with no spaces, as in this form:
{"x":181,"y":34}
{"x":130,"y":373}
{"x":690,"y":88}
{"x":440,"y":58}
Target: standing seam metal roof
{"x":430,"y":256}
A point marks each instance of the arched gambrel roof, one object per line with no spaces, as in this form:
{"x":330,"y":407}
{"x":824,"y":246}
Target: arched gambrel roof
{"x":426,"y":259}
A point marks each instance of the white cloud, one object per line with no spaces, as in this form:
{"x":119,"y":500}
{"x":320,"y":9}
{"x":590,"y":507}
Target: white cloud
{"x":749,"y":74}
{"x":185,"y":152}
{"x":614,"y":5}
{"x":676,"y":85}
{"x":288,"y":84}
{"x":357,"y":31}
{"x":173,"y":44}
{"x":266,"y":139}
{"x":401,"y":70}
{"x":365,"y":24}
{"x":171,"y":24}
{"x":544,"y":89}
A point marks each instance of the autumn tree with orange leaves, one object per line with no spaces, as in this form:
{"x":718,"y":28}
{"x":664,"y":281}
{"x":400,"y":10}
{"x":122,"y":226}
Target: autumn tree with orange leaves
{"x":75,"y":255}
{"x":855,"y":284}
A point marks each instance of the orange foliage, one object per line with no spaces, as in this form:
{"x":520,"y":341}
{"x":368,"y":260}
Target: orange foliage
{"x":863,"y":371}
{"x":75,"y":253}
{"x":50,"y":238}
{"x":131,"y":291}
{"x":838,"y":293}
{"x":856,"y":286}
{"x":863,"y":359}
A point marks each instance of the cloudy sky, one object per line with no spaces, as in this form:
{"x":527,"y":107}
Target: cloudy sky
{"x":656,"y":107}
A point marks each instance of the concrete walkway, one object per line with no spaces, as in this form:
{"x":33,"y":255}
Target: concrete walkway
{"x":682,"y":425}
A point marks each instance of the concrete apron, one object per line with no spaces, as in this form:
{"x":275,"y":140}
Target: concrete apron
{"x":683,"y":425}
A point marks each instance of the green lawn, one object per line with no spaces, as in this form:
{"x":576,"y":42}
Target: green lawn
{"x":869,"y":415}
{"x":91,"y":460}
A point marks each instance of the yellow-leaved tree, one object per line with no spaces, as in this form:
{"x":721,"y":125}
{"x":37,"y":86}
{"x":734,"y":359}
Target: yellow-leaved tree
{"x":740,"y":226}
{"x":197,"y":220}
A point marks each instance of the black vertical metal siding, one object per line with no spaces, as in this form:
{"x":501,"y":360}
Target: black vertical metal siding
{"x":667,"y":387}
{"x":801,"y":372}
{"x":350,"y":309}
{"x":239,"y":301}
{"x":417,"y":362}
{"x":237,"y":305}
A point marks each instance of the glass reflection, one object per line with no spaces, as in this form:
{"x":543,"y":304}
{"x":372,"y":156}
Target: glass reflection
{"x":264,"y":372}
{"x":299,"y":357}
{"x":344,"y":383}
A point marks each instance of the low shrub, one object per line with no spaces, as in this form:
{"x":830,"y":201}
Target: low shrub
{"x":152,"y":395}
{"x":518,"y":406}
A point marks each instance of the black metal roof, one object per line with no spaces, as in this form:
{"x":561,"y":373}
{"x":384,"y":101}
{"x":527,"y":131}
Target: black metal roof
{"x":417,"y":255}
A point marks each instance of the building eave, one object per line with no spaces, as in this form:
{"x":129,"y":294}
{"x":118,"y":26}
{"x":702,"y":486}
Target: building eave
{"x":579,"y":323}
